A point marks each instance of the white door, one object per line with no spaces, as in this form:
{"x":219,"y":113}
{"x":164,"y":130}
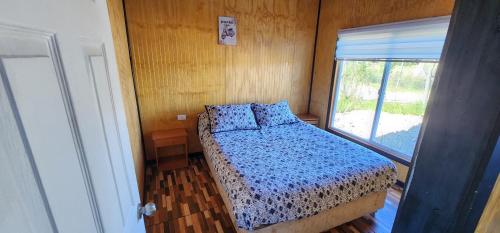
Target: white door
{"x":65,"y":158}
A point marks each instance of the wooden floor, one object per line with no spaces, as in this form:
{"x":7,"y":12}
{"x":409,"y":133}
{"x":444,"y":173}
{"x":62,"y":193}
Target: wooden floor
{"x":187,"y":200}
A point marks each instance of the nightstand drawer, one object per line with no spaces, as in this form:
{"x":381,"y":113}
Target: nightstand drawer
{"x":310,"y":119}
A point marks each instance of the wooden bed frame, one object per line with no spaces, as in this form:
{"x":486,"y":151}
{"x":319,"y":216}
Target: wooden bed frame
{"x":321,"y":222}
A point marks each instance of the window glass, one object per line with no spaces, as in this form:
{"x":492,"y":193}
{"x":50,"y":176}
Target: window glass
{"x":404,"y":104}
{"x":357,"y":96}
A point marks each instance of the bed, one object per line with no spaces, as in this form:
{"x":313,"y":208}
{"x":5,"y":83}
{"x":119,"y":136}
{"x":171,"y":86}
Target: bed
{"x":294,"y":177}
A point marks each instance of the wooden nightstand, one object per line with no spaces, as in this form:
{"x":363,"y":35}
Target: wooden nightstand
{"x":309,"y":118}
{"x":170,"y":148}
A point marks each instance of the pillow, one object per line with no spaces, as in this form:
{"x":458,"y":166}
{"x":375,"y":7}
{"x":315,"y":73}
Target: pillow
{"x":230,"y":117}
{"x":274,"y":114}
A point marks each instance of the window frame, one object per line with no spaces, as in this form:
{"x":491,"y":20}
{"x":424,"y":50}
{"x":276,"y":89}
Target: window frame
{"x":368,"y":143}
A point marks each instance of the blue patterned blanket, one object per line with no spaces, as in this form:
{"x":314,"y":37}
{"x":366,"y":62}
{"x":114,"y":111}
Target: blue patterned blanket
{"x":291,"y":171}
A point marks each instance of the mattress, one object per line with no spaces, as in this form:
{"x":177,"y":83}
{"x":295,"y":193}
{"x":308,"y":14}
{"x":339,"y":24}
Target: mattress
{"x":291,"y":171}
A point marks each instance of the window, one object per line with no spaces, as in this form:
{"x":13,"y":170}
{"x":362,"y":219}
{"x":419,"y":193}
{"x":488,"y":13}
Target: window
{"x":383,"y":102}
{"x":384,"y":77}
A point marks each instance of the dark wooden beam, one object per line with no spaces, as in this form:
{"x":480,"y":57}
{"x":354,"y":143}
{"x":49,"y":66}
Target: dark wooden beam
{"x":461,"y":125}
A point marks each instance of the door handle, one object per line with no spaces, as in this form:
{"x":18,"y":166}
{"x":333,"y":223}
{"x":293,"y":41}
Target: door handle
{"x":148,"y":210}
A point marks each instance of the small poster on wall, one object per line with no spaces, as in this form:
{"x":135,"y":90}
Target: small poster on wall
{"x":227,"y":30}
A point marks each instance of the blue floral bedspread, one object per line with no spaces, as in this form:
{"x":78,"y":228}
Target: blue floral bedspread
{"x":291,"y":171}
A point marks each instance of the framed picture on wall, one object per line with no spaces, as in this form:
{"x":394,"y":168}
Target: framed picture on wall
{"x":227,"y":30}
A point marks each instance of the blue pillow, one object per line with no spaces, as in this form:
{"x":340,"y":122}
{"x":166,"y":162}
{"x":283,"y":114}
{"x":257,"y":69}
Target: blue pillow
{"x":231,"y":117}
{"x":274,"y":114}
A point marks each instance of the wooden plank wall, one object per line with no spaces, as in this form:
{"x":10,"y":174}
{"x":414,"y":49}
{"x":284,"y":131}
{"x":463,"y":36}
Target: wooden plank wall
{"x":117,"y":21}
{"x":179,"y":67}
